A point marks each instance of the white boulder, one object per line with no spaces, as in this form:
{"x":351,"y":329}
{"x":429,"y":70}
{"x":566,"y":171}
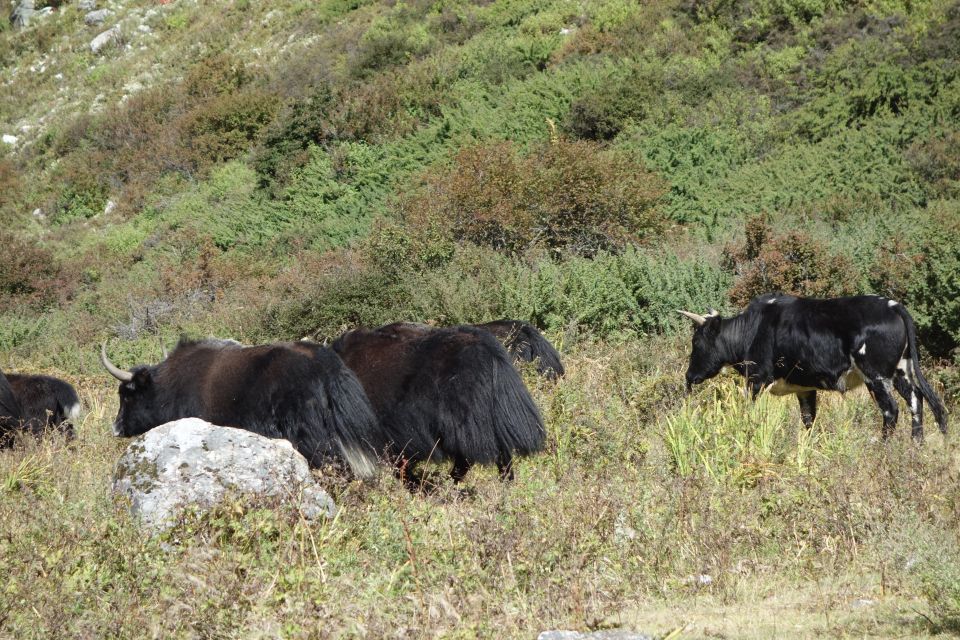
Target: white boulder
{"x":192,"y":462}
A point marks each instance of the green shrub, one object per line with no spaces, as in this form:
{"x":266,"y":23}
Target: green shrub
{"x":602,"y":113}
{"x":391,"y":41}
{"x":225,"y":126}
{"x":934,"y":286}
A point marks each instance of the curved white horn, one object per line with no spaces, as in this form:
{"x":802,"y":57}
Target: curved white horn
{"x":700,"y":320}
{"x":116,"y":372}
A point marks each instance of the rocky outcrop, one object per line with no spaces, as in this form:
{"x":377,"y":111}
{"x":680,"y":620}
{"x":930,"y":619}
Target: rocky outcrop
{"x":191,"y":462}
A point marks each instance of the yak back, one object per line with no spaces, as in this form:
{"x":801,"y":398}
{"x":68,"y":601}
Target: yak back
{"x":444,"y":392}
{"x":815,"y":337}
{"x":527,"y":344}
{"x":44,"y":401}
{"x":300,"y":391}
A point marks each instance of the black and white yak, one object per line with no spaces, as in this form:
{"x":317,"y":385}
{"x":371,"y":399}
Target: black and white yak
{"x":785,"y":344}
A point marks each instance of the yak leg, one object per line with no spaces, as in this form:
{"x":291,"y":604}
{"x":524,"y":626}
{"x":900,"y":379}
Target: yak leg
{"x":880,"y":390}
{"x":909,"y":392}
{"x":808,"y":407}
{"x":460,"y":469}
{"x":505,"y":465}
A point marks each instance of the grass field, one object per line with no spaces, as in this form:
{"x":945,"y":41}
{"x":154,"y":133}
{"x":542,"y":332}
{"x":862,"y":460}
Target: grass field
{"x":794,"y":534}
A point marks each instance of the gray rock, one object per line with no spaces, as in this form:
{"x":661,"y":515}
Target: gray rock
{"x":22,"y":13}
{"x":616,"y":634}
{"x":98,"y":17}
{"x":192,"y":462}
{"x":110,"y":37}
{"x":87,"y":5}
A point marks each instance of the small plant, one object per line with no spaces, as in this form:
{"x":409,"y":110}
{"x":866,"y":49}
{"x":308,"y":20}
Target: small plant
{"x":728,"y":437}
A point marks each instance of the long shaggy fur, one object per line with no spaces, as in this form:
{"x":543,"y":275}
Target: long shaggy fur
{"x":298,"y":391}
{"x":42,"y":402}
{"x":11,"y":415}
{"x":527,"y":344}
{"x":444,"y":393}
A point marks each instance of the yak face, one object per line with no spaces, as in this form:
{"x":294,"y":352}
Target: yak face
{"x":139,"y":406}
{"x":708,"y":355}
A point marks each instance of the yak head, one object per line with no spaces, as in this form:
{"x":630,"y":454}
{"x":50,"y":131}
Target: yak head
{"x":140,"y":406}
{"x":708,"y":356}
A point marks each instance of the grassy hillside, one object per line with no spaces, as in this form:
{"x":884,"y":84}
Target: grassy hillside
{"x":267,"y":171}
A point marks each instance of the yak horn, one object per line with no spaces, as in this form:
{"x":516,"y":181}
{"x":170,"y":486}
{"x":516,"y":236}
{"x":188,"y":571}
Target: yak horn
{"x":119,"y":374}
{"x":164,"y":351}
{"x":700,"y":320}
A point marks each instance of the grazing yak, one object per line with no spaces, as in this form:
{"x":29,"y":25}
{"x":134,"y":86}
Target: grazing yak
{"x":527,"y":344}
{"x":787,"y":344}
{"x":444,"y":393}
{"x":299,"y":391}
{"x":35,"y":403}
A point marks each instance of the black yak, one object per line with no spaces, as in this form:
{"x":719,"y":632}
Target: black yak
{"x":299,"y":391}
{"x":36,"y":403}
{"x":787,"y":344}
{"x":527,"y":344}
{"x":444,"y":393}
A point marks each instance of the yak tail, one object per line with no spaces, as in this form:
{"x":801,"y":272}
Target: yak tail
{"x":497,"y":417}
{"x":936,"y":405}
{"x":351,"y":421}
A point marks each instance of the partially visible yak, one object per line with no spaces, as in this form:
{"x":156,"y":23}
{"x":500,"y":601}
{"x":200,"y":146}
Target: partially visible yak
{"x":299,"y":391}
{"x":35,"y":404}
{"x":444,"y":393}
{"x":527,"y":344}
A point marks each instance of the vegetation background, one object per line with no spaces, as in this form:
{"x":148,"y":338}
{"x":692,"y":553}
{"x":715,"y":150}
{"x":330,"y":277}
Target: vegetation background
{"x":265,"y":171}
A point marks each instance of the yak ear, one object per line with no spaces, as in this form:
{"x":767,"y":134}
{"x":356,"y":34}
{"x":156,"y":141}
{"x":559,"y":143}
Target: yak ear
{"x":142,"y":378}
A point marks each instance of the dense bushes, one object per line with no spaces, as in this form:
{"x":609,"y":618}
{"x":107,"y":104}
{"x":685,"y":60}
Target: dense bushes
{"x":565,"y":195}
{"x":30,"y":274}
{"x":214,"y":114}
{"x":792,"y":262}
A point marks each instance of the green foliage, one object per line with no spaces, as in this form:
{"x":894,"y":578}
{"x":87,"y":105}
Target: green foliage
{"x":728,"y":438}
{"x":391,"y":41}
{"x":934,"y":285}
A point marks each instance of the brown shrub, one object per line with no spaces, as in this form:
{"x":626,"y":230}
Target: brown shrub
{"x":29,"y":274}
{"x":571,"y":195}
{"x":792,"y":262}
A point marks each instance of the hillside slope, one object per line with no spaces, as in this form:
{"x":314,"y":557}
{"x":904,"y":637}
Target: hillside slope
{"x":265,"y":171}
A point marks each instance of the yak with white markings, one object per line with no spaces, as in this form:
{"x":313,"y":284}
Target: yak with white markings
{"x":444,"y":393}
{"x":299,"y":391}
{"x":786,"y":344}
{"x":526,"y":344}
{"x":36,"y":404}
